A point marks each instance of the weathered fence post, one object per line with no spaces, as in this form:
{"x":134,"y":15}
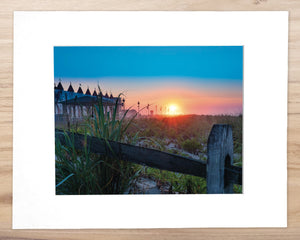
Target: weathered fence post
{"x":219,"y":155}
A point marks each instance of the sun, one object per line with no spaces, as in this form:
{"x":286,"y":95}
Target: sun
{"x":173,"y":109}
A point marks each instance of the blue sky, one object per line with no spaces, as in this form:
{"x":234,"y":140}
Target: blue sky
{"x":146,"y":71}
{"x":194,"y":62}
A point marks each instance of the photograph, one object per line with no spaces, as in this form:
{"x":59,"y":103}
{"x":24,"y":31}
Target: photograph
{"x":148,"y":119}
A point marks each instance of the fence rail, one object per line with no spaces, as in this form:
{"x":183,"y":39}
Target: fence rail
{"x":218,"y":170}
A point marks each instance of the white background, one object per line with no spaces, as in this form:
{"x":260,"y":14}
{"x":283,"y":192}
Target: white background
{"x":264,"y":36}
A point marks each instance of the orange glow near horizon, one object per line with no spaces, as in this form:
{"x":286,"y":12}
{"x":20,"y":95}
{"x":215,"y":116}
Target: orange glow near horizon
{"x":175,"y":101}
{"x":172,"y":110}
{"x":175,"y":98}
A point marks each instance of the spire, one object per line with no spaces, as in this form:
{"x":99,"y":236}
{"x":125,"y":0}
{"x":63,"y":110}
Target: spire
{"x":95,"y":93}
{"x":59,"y":86}
{"x":88,"y":92}
{"x":101,"y":94}
{"x":70,"y":89}
{"x":111,"y":96}
{"x":79,"y":89}
{"x":106,"y":95}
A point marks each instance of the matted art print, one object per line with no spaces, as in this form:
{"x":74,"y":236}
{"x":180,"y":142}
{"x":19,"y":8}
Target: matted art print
{"x":152,"y":111}
{"x":149,"y":119}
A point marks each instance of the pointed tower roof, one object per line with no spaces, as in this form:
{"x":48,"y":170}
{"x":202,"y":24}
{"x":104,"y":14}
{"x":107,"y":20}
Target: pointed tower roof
{"x":88,"y":92}
{"x":70,"y":89}
{"x":111,"y":96}
{"x":95,"y":93}
{"x":101,"y":94}
{"x":59,"y":86}
{"x":106,"y":95}
{"x":79,"y":89}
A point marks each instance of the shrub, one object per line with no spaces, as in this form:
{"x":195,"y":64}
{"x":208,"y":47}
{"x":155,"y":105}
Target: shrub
{"x":191,"y":145}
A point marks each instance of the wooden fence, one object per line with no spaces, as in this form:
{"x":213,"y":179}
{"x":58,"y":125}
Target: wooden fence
{"x":218,"y":169}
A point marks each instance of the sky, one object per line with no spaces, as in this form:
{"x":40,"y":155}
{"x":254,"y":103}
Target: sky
{"x":185,"y":79}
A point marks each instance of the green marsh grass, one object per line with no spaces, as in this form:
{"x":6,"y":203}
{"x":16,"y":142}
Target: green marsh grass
{"x":81,"y":172}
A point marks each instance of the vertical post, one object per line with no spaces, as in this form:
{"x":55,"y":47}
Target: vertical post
{"x":219,"y":155}
{"x":111,"y":111}
{"x":81,"y":111}
{"x":65,"y":113}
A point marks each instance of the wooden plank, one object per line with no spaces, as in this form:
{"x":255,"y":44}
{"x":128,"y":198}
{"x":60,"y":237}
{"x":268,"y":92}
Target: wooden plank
{"x":140,"y":155}
{"x":149,"y":157}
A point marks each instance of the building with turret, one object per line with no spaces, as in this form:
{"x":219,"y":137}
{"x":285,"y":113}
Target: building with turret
{"x":71,"y":106}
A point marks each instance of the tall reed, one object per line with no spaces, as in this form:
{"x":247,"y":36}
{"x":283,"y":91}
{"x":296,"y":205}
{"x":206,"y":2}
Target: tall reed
{"x":81,"y":172}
